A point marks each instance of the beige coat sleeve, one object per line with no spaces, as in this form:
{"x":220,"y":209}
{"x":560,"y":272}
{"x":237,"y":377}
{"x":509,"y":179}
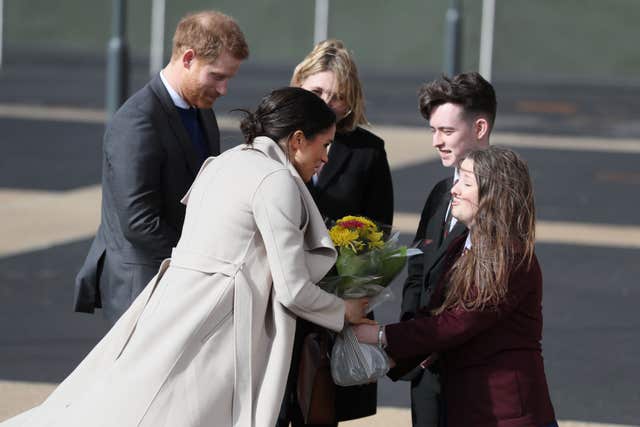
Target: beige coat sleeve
{"x":277,"y":208}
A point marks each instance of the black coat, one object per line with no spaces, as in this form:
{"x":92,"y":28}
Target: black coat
{"x":149,"y":163}
{"x":423,"y":274}
{"x":430,"y":238}
{"x":356,"y":181}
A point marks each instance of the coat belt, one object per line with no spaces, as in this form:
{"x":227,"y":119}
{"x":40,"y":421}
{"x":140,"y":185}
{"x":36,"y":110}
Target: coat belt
{"x":242,"y":326}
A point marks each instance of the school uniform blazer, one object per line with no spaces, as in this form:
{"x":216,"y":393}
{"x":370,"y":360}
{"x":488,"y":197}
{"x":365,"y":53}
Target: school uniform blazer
{"x":429,"y":237}
{"x":492,"y":371}
{"x":149,"y":163}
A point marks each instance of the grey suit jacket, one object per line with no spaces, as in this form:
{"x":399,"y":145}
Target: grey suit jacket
{"x":149,"y":163}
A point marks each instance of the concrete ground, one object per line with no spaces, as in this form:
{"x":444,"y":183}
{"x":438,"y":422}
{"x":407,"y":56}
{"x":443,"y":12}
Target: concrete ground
{"x":38,"y":250}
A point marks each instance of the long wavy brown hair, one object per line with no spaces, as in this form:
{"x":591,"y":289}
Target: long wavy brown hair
{"x":502,"y":232}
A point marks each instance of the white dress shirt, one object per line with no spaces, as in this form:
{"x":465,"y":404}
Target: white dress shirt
{"x":456,"y":177}
{"x":178,"y":101}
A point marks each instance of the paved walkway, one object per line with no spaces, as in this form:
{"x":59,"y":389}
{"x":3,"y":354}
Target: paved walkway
{"x":19,"y":396}
{"x":74,"y":215}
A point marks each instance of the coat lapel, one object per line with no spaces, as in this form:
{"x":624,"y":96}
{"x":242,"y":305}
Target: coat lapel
{"x":441,"y":213}
{"x":458,"y":230}
{"x":175,"y":123}
{"x":320,"y":253}
{"x":434,"y":229}
{"x":339,"y":154}
{"x":436,"y":254}
{"x":440,"y":267}
{"x":211,"y":130}
{"x":318,"y":246}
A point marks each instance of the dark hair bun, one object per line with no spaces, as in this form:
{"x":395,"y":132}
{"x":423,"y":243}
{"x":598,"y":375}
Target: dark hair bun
{"x":284,"y":111}
{"x":250,"y":126}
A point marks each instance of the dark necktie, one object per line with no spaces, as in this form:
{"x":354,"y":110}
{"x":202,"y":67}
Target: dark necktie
{"x":447,"y":220}
{"x":447,"y":224}
{"x":191,"y":123}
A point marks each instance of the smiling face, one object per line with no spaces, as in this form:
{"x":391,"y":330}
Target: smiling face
{"x":325,"y":85}
{"x":464,"y":200}
{"x":308,"y":155}
{"x":454,"y":134}
{"x":203,"y":81}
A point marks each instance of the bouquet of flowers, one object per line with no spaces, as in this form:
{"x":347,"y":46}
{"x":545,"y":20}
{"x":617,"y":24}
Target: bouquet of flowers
{"x":366,"y":265}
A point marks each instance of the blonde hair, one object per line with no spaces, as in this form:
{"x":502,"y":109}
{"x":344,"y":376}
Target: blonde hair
{"x":208,"y":33}
{"x":503,"y":232}
{"x":331,"y":55}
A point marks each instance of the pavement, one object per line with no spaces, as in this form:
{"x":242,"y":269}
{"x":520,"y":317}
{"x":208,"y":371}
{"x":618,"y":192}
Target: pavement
{"x":583,"y":158}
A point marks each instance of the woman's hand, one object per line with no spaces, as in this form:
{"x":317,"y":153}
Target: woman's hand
{"x":367,"y":334}
{"x":354,"y":311}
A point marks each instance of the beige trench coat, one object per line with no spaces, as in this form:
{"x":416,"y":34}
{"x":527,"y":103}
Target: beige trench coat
{"x":208,"y":342}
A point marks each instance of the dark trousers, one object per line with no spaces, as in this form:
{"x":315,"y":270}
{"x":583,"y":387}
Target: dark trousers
{"x":426,"y":404}
{"x":292,"y":415}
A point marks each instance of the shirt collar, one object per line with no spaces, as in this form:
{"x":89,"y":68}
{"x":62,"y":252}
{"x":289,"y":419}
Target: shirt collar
{"x":454,"y":220}
{"x":467,"y":243}
{"x":178,"y":101}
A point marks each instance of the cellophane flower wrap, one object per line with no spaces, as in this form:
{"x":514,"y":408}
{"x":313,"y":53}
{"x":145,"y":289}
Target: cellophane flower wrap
{"x":367,"y":262}
{"x":366,"y":265}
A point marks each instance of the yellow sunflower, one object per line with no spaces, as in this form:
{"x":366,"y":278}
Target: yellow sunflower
{"x":343,"y":236}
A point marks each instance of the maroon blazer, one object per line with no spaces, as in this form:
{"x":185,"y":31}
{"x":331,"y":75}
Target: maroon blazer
{"x":492,"y":372}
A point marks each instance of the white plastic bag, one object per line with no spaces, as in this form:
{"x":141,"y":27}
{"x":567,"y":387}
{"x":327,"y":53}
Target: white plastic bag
{"x":354,"y":363}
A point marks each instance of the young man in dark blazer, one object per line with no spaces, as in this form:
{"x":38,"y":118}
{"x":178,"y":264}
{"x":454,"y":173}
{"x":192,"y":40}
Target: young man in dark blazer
{"x":153,"y":148}
{"x":461,"y":112}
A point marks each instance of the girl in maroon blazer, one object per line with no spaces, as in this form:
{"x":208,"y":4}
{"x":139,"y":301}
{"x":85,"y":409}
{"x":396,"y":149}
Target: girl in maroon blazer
{"x":484,"y":320}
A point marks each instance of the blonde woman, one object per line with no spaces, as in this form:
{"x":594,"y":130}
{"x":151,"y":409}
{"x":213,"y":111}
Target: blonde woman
{"x":355,"y":181}
{"x":485,"y":316}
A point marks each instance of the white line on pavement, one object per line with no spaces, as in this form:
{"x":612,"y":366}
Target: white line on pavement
{"x":35,"y":220}
{"x":57,"y":113}
{"x":415,"y":139}
{"x":74,"y":215}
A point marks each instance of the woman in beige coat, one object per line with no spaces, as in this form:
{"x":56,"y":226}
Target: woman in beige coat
{"x":208,"y":342}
